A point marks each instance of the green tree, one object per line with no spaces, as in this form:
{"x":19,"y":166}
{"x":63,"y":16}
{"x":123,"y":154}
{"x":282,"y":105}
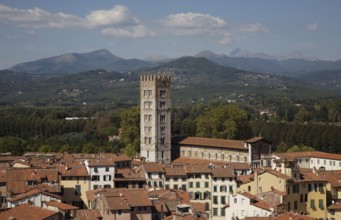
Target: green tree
{"x":130,"y":127}
{"x":130,"y":151}
{"x":223,"y":121}
{"x":45,"y":148}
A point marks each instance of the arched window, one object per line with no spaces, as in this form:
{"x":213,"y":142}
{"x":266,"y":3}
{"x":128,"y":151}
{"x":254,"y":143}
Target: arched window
{"x":207,"y":195}
{"x":183,"y":153}
{"x":245,"y":159}
{"x":196,"y":153}
{"x":189,"y":153}
{"x":209,"y":155}
{"x":223,"y":157}
{"x":230,"y":157}
{"x":216,"y":156}
{"x":197,"y":196}
{"x":237,"y":158}
{"x":202,"y":154}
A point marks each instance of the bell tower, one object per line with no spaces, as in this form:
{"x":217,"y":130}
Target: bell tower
{"x":155,"y":116}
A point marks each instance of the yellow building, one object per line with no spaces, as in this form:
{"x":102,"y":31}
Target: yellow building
{"x":74,"y":182}
{"x":304,"y":190}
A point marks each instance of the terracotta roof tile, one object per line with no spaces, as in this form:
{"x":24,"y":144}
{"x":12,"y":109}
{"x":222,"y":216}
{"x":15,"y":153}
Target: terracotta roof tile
{"x":335,"y":206}
{"x":234,"y":165}
{"x":73,"y":170}
{"x":256,"y":139}
{"x":212,"y":142}
{"x":88,"y":214}
{"x":26,"y":211}
{"x":223,"y":172}
{"x":153,"y":167}
{"x":175,"y":171}
{"x":61,"y":206}
{"x":31,"y":192}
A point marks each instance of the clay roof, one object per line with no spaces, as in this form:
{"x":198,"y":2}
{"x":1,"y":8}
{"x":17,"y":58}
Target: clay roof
{"x":153,"y":167}
{"x":333,"y":177}
{"x":175,"y":171}
{"x":61,"y":206}
{"x":88,"y":214}
{"x":17,"y":178}
{"x":197,"y":168}
{"x":26,"y":211}
{"x":294,"y":216}
{"x":199,"y":206}
{"x":315,"y":154}
{"x":256,"y":139}
{"x":119,"y":199}
{"x":335,"y":206}
{"x":73,"y":170}
{"x":245,"y":178}
{"x":278,"y":174}
{"x":281,"y":193}
{"x":306,"y":175}
{"x":31,"y":192}
{"x":222,"y":172}
{"x":128,"y":174}
{"x":248,"y":195}
{"x":118,"y":157}
{"x":213,"y":142}
{"x":99,"y":162}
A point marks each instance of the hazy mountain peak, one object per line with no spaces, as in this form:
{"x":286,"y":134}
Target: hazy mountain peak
{"x":208,"y":54}
{"x":156,"y":58}
{"x":241,"y":53}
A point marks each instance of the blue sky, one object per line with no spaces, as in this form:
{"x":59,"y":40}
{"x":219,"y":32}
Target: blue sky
{"x":31,"y":30}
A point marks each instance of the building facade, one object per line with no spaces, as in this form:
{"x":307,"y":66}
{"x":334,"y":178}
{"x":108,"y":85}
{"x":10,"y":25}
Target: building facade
{"x":155,"y":124}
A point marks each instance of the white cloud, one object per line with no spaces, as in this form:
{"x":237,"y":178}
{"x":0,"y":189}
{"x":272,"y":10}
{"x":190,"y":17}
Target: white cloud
{"x":132,"y":32}
{"x":254,"y":28}
{"x":119,"y":15}
{"x":312,"y":27}
{"x":193,"y":24}
{"x":117,"y":22}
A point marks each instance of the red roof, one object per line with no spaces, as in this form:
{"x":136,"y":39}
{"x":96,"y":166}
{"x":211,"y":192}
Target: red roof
{"x":213,"y":142}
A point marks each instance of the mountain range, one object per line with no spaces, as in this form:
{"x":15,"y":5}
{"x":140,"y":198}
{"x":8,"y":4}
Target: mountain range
{"x":293,"y":64}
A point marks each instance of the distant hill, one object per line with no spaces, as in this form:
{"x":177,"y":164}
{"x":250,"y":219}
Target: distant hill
{"x":327,"y":79}
{"x":193,"y":78}
{"x":292,"y":65}
{"x":77,"y":62}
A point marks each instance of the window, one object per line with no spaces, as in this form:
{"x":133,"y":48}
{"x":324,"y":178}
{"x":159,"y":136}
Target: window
{"x":214,"y":188}
{"x":96,"y":169}
{"x":183,"y":187}
{"x":147,"y":93}
{"x":222,"y":211}
{"x":162,"y":140}
{"x":321,"y":205}
{"x":119,"y":212}
{"x":215,"y":199}
{"x":207,"y":195}
{"x":167,"y":186}
{"x":215,"y":211}
{"x":160,"y":183}
{"x":147,"y":104}
{"x":302,"y":198}
{"x":242,"y":201}
{"x":243,"y":212}
{"x":107,"y":169}
{"x":289,"y":207}
{"x":235,"y":200}
{"x":197,"y":184}
{"x":147,"y":118}
{"x":162,"y":118}
{"x":222,"y":188}
{"x":190,"y":184}
{"x":162,"y":104}
{"x":206,"y":184}
{"x":107,"y":177}
{"x":78,"y":190}
{"x":175,"y":186}
{"x":149,"y":175}
{"x":160,"y":175}
{"x":249,"y":188}
{"x":295,"y":205}
{"x":321,"y":187}
{"x":142,"y":209}
{"x":162,"y":93}
{"x":312,"y":204}
{"x":163,"y":129}
{"x":183,"y":179}
{"x":223,"y":200}
{"x":95,"y":178}
{"x":231,"y":189}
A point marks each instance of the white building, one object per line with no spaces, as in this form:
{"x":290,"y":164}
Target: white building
{"x":223,"y":186}
{"x":246,"y":205}
{"x":155,"y":124}
{"x":101,"y":171}
{"x":312,"y":159}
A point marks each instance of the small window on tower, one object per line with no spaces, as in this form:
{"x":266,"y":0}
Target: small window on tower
{"x":162,"y":104}
{"x":162,"y":93}
{"x":163,"y":129}
{"x":162,"y":118}
{"x":162,"y":140}
{"x":147,"y":93}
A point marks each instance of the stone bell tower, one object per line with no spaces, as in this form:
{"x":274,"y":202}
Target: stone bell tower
{"x":155,"y":125}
